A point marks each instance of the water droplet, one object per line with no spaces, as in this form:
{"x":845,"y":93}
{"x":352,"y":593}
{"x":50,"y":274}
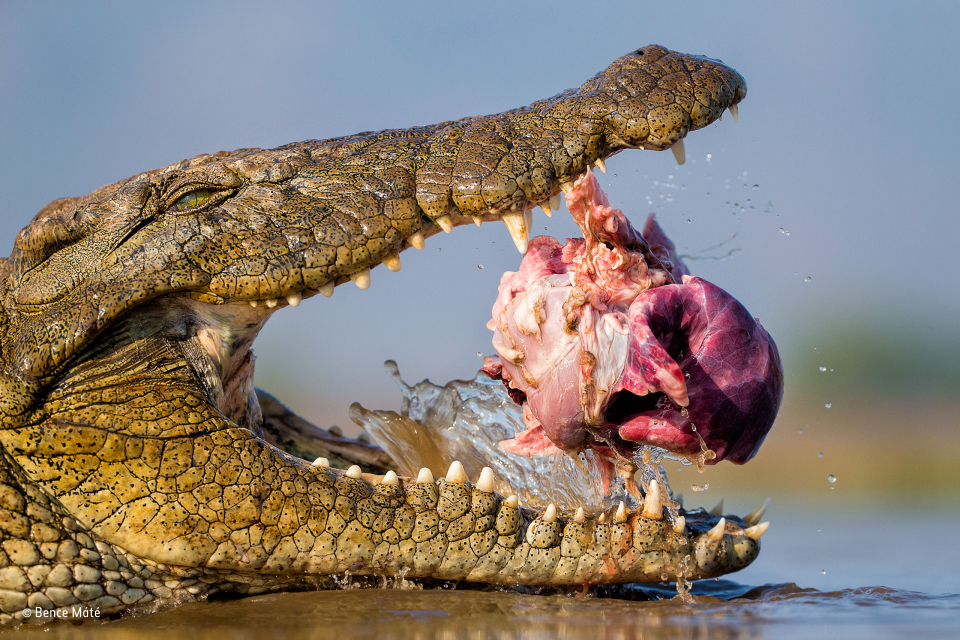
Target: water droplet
{"x":807,"y":279}
{"x":479,"y":355}
{"x":709,"y":155}
{"x":820,"y":455}
{"x":689,"y":221}
{"x":480,"y":266}
{"x":782,"y":230}
{"x":755,"y":187}
{"x":823,"y":368}
{"x":831,"y":478}
{"x":828,"y":405}
{"x":823,"y":571}
{"x":799,"y":430}
{"x":698,"y":487}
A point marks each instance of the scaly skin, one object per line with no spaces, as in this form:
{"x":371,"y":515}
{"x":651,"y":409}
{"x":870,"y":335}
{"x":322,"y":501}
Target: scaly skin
{"x":137,"y":468}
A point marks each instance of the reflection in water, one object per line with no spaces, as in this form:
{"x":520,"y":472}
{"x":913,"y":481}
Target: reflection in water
{"x":723,"y":609}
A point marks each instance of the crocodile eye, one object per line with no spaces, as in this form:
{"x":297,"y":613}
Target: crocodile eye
{"x":192,"y":200}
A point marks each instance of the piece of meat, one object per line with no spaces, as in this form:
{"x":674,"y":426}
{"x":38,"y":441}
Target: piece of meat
{"x":609,"y":342}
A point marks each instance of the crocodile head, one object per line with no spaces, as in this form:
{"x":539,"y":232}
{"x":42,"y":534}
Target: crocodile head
{"x":129,"y":315}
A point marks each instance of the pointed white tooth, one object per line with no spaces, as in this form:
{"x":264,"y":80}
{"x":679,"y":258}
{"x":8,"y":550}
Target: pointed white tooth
{"x":354,"y":472}
{"x":390,"y":479}
{"x":361,"y":279}
{"x":601,"y":164}
{"x":555,"y":202}
{"x":754,"y":516}
{"x":680,"y":525}
{"x":320,"y":462}
{"x":485,"y":481}
{"x":580,"y":516}
{"x":271,"y":303}
{"x":550,"y":515}
{"x":545,"y":205}
{"x":679,"y":152}
{"x":445,"y":223}
{"x":253,"y":303}
{"x":756,"y":531}
{"x":528,"y":219}
{"x":477,"y":220}
{"x":652,"y":507}
{"x":567,"y":188}
{"x":517,"y":226}
{"x":327,"y":289}
{"x":416,"y":241}
{"x":717,"y":532}
{"x":717,"y":510}
{"x":602,"y":519}
{"x":512,"y":501}
{"x":425,"y":476}
{"x":294,"y":299}
{"x":621,"y":514}
{"x":734,"y":111}
{"x":392,"y":260}
{"x":456,"y":473}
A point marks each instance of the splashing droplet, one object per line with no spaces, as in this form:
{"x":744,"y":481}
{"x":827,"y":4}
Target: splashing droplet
{"x":807,"y":279}
{"x":823,"y":368}
{"x":755,"y":187}
{"x":480,"y":266}
{"x":820,"y":455}
{"x":823,"y":571}
{"x":831,"y":478}
{"x":828,"y":405}
{"x":479,"y":354}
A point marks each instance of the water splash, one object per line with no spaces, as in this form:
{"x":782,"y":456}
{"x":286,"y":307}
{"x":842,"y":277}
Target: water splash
{"x":465,"y":420}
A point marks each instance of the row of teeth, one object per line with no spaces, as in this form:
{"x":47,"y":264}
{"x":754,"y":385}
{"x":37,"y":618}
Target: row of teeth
{"x":652,"y":504}
{"x":518,"y":224}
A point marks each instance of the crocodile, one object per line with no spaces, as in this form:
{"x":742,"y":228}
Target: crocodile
{"x":142,"y":467}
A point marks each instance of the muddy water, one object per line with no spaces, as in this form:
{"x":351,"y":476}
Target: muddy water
{"x":838,"y":558}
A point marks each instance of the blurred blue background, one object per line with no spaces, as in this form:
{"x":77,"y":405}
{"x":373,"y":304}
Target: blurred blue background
{"x":830,"y":210}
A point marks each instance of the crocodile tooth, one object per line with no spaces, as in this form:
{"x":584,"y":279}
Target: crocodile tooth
{"x":327,"y":289}
{"x":621,"y":514}
{"x":354,"y":472}
{"x":601,"y":164}
{"x":679,"y":152}
{"x":392,"y":260}
{"x":425,"y":476}
{"x":294,"y":299}
{"x":361,"y":278}
{"x":717,"y":532}
{"x":445,"y":223}
{"x":555,"y":202}
{"x":734,"y":111}
{"x":550,"y":515}
{"x":512,"y":501}
{"x":516,"y":224}
{"x":756,"y":531}
{"x":253,"y":303}
{"x":545,"y":205}
{"x":754,"y":516}
{"x":485,"y":482}
{"x":416,"y":241}
{"x":528,"y":219}
{"x":567,"y":188}
{"x":717,"y":510}
{"x":680,"y":525}
{"x":580,"y":516}
{"x":602,"y":519}
{"x":456,"y":473}
{"x":477,"y":220}
{"x":321,"y":462}
{"x":271,"y":303}
{"x":652,"y":507}
{"x":390,"y":479}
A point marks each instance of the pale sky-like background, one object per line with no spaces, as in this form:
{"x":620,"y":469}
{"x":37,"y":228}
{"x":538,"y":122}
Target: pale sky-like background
{"x":843,"y":167}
